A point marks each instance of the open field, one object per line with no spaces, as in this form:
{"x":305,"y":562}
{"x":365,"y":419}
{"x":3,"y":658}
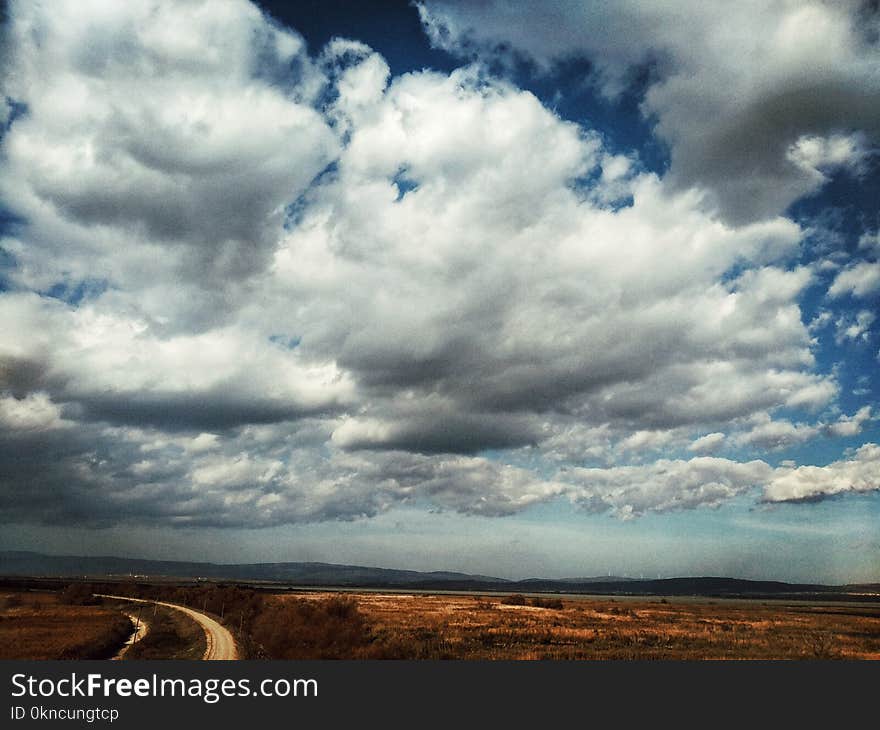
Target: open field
{"x":356,"y":624}
{"x":473,"y":627}
{"x":41,"y":626}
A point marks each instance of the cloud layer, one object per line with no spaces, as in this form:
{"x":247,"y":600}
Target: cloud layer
{"x":254,"y":284}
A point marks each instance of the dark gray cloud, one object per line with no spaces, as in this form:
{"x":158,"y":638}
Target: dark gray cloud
{"x":60,"y":471}
{"x":209,"y":410}
{"x":438,"y":431}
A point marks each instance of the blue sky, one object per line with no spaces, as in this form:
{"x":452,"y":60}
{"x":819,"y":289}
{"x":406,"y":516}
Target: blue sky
{"x":520,"y":289}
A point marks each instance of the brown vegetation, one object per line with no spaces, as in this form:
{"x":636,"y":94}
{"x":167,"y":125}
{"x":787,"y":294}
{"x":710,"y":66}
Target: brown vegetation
{"x":462,"y":627}
{"x":326,"y":625}
{"x":332,"y":628}
{"x":231,"y":605}
{"x":41,"y":626}
{"x":171,"y":635}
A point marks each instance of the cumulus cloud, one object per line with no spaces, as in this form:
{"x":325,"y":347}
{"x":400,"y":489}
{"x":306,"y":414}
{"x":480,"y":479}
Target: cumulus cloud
{"x":776,"y":434}
{"x":106,"y":366}
{"x":733,"y":89}
{"x":254,"y":286}
{"x":258,"y":476}
{"x":805,"y":483}
{"x":858,"y":280}
{"x":666,"y":485}
{"x":820,"y":154}
{"x":772,"y":434}
{"x":846,"y":426}
{"x":533,"y":327}
{"x":707,"y":444}
{"x":159,"y":147}
{"x":856,"y":327}
{"x":34,"y":412}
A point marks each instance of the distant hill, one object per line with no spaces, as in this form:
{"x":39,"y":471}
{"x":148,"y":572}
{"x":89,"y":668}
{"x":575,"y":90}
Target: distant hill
{"x":21,"y":563}
{"x":596,"y":579}
{"x":31,"y":564}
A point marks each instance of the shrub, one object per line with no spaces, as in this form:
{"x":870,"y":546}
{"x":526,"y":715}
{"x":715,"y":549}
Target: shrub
{"x":305,"y":629}
{"x":555,"y":603}
{"x":517,"y":599}
{"x":78,"y":594}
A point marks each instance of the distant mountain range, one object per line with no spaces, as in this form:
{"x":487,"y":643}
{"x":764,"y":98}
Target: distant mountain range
{"x":31,"y":564}
{"x":22,"y":563}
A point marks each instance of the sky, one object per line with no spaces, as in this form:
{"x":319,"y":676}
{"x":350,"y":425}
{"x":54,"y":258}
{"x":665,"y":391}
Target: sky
{"x":523,"y":289}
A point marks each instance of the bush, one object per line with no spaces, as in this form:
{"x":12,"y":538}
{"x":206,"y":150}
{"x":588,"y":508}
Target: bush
{"x":78,"y":594}
{"x":517,"y":599}
{"x":333,"y":628}
{"x":548,"y":603}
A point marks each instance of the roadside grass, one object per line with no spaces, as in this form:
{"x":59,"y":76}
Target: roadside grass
{"x":171,"y":635}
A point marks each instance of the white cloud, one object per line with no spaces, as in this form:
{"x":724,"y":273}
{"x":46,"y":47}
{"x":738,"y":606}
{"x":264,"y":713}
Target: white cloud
{"x":34,"y":412}
{"x":646,"y":440}
{"x":733,"y":88}
{"x":847,"y":426}
{"x":776,"y":434}
{"x":665,"y":485}
{"x":859,"y":280}
{"x":858,"y":474}
{"x":240,"y":342}
{"x":820,"y":154}
{"x":360,"y":77}
{"x":822,"y":319}
{"x":537,"y":319}
{"x":157,"y":158}
{"x":855,"y":327}
{"x":114,"y":368}
{"x":707,"y":444}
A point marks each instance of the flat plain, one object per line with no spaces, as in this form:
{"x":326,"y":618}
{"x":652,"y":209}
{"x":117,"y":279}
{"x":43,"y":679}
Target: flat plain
{"x":374,"y":624}
{"x":37,"y":625}
{"x":420,"y":626}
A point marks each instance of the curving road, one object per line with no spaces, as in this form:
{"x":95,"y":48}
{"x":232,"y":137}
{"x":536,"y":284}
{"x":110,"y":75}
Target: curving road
{"x":220,"y":644}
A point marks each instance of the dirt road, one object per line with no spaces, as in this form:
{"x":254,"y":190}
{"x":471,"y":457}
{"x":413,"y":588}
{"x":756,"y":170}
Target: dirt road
{"x":221,"y":645}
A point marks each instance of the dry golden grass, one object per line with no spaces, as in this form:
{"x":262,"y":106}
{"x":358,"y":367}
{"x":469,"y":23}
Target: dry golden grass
{"x":37,"y":626}
{"x":467,"y":627}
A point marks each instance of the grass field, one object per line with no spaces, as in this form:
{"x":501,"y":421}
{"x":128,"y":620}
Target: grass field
{"x":40,"y":626}
{"x":467,"y":627}
{"x":375,"y":625}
